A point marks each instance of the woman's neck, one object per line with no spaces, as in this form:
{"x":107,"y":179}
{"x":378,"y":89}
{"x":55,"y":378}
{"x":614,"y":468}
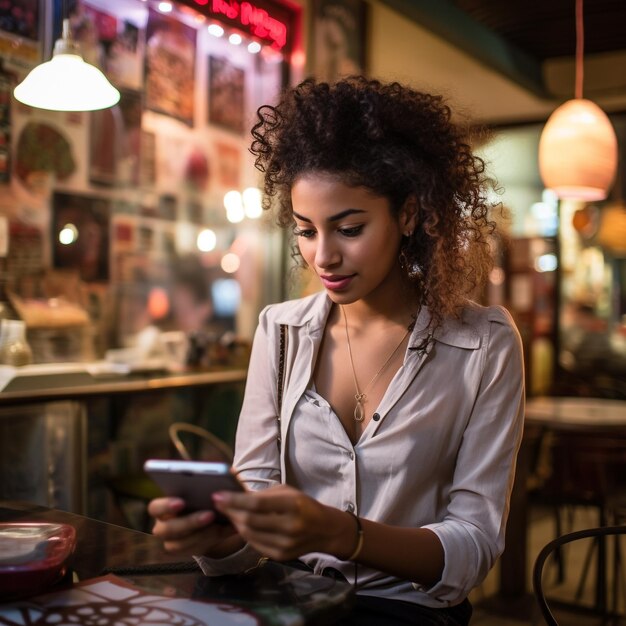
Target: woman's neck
{"x":395,"y":304}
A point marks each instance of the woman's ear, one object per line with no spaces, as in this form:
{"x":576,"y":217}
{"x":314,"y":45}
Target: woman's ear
{"x":409,"y":215}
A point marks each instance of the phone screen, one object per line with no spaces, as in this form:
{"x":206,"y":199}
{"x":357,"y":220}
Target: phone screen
{"x":193,"y":481}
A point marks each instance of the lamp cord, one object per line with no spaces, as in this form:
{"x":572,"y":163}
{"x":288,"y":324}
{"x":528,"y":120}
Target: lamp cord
{"x":580,"y":45}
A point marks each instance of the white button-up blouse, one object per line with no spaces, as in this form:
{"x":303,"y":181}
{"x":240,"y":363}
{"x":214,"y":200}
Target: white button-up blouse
{"x":439,"y":454}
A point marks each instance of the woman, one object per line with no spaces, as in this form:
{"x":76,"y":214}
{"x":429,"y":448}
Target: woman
{"x":392,"y":456}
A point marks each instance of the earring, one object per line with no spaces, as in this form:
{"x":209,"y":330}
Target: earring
{"x":404,"y":263}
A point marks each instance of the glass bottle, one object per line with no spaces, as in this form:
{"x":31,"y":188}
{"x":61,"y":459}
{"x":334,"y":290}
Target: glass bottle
{"x":14,"y":349}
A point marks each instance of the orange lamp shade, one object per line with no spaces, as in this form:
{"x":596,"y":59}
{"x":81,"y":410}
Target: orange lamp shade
{"x":578,"y":151}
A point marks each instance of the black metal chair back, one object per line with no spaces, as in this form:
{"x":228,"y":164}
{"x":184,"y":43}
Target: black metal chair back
{"x":553,"y":547}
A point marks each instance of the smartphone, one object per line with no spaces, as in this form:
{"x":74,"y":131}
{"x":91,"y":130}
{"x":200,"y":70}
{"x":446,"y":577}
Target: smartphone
{"x":193,"y":481}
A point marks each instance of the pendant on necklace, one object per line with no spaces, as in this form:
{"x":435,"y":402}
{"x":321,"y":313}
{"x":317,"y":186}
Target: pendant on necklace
{"x":359,"y":409}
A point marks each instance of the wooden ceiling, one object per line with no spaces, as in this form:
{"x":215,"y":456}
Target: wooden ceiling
{"x":547,"y":28}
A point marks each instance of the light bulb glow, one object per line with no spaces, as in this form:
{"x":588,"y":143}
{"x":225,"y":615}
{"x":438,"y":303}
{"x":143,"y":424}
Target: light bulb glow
{"x":235,"y":39}
{"x":230,"y":262}
{"x":254,"y":47}
{"x":235,"y":215}
{"x":215,"y":29}
{"x":68,"y":234}
{"x":543,"y":210}
{"x":207,"y":240}
{"x":546,"y":263}
{"x":67,"y":83}
{"x":548,"y":196}
{"x":232,"y":200}
{"x":252,"y":202}
{"x":497,"y":276}
{"x":165,"y":7}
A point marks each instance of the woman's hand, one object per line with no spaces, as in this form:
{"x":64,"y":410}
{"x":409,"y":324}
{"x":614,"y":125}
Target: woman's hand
{"x":191,"y":534}
{"x":283,"y":523}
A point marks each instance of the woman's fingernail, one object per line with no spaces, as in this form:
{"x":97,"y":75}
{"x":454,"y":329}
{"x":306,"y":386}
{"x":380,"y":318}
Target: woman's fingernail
{"x":205,"y":517}
{"x":219,"y":497}
{"x":177,"y":504}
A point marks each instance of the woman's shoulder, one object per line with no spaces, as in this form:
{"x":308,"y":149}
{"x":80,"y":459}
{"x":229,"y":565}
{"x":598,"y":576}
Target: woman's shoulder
{"x":478,"y":314}
{"x":296,"y":312}
{"x":473,"y":322}
{"x":490,"y":320}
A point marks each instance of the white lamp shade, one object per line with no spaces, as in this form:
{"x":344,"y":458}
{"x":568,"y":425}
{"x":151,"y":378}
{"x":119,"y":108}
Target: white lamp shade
{"x":67,"y":83}
{"x":578,"y":151}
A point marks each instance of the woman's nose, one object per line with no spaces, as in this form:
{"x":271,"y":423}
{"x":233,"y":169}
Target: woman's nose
{"x":327,"y":253}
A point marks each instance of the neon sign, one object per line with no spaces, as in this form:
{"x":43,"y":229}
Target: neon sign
{"x":252,"y":18}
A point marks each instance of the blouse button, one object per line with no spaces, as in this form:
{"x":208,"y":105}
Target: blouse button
{"x":350,"y":507}
{"x":376,"y":417}
{"x":352,"y":456}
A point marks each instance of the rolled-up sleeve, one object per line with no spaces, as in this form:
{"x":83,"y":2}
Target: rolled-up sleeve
{"x":472,"y":532}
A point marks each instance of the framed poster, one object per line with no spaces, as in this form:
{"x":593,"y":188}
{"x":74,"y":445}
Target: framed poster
{"x":226,"y":94}
{"x":114,"y":45}
{"x":43,"y":153}
{"x":87,"y":250}
{"x":21,"y":18}
{"x":339,"y":38}
{"x":21,"y":34}
{"x":170,"y":67}
{"x":7,"y":84}
{"x":115,"y":142}
{"x":124,"y":56}
{"x":94,"y":30}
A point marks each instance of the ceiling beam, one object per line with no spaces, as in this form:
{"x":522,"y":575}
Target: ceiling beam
{"x":455,"y":26}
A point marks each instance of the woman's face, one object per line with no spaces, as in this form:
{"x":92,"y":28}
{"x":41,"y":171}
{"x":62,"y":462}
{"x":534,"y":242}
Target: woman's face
{"x":348,"y":236}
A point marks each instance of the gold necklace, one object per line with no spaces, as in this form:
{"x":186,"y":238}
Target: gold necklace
{"x":360,"y":396}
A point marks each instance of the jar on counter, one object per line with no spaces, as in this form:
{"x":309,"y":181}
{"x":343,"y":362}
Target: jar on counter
{"x":14,"y":349}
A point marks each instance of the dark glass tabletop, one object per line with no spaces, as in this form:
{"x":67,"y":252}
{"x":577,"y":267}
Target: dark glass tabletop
{"x":274,"y":593}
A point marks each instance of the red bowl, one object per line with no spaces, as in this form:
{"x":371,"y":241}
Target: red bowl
{"x":33,"y":555}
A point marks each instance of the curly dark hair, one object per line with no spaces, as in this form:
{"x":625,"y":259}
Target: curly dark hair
{"x":396,"y":142}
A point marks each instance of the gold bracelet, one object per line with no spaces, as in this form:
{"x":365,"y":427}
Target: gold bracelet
{"x":359,"y":538}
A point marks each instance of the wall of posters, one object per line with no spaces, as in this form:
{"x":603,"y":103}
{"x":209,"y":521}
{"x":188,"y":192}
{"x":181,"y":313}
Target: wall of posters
{"x":120,"y":212}
{"x":141,"y":181}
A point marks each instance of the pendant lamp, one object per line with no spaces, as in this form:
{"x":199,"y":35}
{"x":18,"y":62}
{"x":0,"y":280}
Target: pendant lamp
{"x":578,"y":145}
{"x":67,"y":82}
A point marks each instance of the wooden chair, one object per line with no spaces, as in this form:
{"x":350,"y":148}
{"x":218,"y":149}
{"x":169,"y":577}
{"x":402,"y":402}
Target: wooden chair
{"x":610,"y":615}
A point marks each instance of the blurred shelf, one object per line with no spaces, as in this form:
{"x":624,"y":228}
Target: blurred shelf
{"x":78,"y":383}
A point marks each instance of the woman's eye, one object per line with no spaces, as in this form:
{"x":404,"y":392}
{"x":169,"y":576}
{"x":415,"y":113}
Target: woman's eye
{"x":352,"y":231}
{"x":303,"y":232}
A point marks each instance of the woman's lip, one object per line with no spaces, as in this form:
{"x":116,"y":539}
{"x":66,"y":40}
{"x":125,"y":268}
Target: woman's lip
{"x":336,"y":283}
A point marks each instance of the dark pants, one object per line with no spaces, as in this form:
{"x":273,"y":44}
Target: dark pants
{"x":372,"y":611}
{"x":375,"y":611}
